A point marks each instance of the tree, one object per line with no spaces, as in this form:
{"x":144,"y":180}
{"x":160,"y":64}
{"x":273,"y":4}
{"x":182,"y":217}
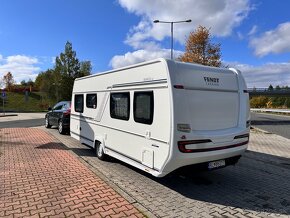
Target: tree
{"x":85,"y":68}
{"x":30,"y":83}
{"x":44,"y":82}
{"x":58,"y":82}
{"x":259,"y":102}
{"x":199,"y":49}
{"x":67,"y":69}
{"x":270,"y":88}
{"x":67,"y":63}
{"x":8,"y":81}
{"x":23,"y":83}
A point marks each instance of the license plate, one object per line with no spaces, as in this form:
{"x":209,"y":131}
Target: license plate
{"x":216,"y":164}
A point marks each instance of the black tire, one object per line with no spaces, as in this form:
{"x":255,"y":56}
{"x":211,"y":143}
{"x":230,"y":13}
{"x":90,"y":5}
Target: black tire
{"x":61,"y":130}
{"x":47,"y":125}
{"x":100,"y":151}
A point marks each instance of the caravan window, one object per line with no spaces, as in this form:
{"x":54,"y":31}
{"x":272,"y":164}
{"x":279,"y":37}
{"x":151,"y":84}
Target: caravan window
{"x":120,"y":105}
{"x":91,"y":101}
{"x":143,"y":107}
{"x":79,"y":103}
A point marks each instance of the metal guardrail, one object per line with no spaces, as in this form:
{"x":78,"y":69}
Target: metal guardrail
{"x":267,"y":110}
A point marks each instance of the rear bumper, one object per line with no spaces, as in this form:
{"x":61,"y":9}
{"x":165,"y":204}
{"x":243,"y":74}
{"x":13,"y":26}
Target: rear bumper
{"x":66,"y":122}
{"x":204,"y":166}
{"x":186,"y":159}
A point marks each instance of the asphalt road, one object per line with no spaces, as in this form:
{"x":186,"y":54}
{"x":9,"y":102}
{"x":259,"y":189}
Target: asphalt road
{"x":22,"y":123}
{"x":276,"y":124}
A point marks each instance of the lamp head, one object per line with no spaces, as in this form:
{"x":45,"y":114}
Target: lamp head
{"x":156,"y":21}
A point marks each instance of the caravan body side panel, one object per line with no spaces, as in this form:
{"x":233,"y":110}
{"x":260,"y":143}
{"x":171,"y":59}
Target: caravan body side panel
{"x":146,"y":144}
{"x":210,"y":101}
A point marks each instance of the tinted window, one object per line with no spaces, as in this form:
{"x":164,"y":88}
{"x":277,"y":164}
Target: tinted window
{"x":91,"y":101}
{"x":58,"y":106}
{"x":120,"y":105}
{"x":79,"y":103}
{"x":143,"y":107}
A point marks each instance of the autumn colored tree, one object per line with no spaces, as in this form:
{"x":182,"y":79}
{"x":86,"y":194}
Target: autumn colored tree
{"x":8,"y":81}
{"x":199,"y":48}
{"x":259,"y":102}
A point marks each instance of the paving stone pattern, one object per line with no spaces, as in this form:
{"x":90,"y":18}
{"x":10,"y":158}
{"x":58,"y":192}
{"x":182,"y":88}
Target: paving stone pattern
{"x":40,"y":177}
{"x":258,"y":186}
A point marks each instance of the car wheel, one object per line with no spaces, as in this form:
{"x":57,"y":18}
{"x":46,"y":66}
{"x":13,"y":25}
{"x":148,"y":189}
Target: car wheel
{"x":60,"y":127}
{"x":100,"y":151}
{"x":47,"y":125}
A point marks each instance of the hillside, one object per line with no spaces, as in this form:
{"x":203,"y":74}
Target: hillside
{"x":18,"y":102}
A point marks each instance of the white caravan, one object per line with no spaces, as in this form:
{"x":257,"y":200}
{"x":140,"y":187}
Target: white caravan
{"x":162,"y":115}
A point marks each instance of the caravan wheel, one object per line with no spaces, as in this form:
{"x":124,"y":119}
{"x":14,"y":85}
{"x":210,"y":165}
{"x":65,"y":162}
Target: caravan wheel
{"x":100,"y":151}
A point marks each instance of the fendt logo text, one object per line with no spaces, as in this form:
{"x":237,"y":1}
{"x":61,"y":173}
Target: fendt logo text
{"x":211,"y":81}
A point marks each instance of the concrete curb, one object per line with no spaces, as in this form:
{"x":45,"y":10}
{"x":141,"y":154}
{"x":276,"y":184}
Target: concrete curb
{"x":260,"y":130}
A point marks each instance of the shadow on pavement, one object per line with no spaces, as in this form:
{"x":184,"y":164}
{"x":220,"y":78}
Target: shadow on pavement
{"x":53,"y":145}
{"x":84,"y":152}
{"x":253,"y":185}
{"x":259,"y":182}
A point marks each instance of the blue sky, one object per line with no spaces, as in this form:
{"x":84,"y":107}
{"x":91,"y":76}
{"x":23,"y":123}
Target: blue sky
{"x":255,"y":35}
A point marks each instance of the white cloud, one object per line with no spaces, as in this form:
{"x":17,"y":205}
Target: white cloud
{"x":22,"y":67}
{"x":220,"y":15}
{"x":266,"y":74}
{"x":240,"y":36}
{"x":140,"y":56}
{"x":274,"y":41}
{"x":253,"y":30}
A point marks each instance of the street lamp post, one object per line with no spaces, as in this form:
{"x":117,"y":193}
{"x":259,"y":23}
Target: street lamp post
{"x":171,"y":24}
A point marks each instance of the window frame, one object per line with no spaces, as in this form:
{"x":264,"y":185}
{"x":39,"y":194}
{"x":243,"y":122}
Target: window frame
{"x":142,"y":120}
{"x":77,"y":95}
{"x":91,"y":94}
{"x":114,"y":116}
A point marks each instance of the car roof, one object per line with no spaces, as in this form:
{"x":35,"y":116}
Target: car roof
{"x":64,"y":102}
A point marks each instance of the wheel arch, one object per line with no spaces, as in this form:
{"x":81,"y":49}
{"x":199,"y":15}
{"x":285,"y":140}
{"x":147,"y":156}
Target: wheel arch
{"x":100,"y":140}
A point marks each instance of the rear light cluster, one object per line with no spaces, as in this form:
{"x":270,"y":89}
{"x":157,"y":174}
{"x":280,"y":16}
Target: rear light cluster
{"x":178,"y":86}
{"x":182,"y":144}
{"x":183,"y":149}
{"x":67,"y":112}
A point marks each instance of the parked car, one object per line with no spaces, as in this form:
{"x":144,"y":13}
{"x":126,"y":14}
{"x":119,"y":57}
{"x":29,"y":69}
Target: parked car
{"x":59,"y":116}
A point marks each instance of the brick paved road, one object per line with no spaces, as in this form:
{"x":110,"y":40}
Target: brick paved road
{"x":258,"y":186}
{"x":40,"y":177}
